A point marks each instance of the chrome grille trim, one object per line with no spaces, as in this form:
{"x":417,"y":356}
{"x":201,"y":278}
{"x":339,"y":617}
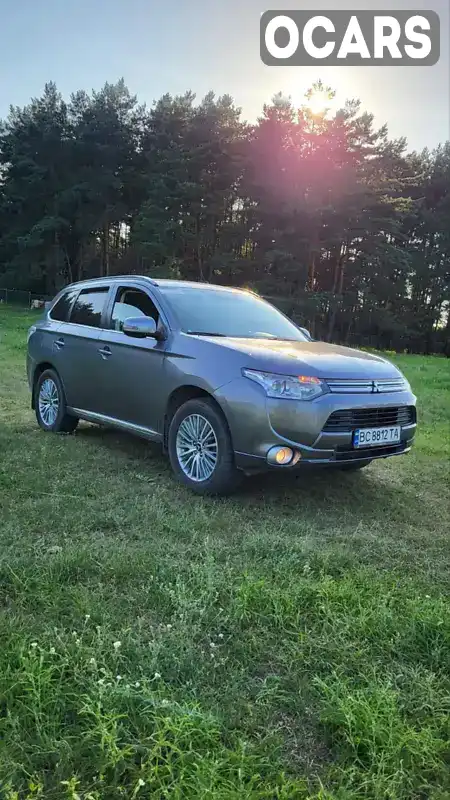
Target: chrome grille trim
{"x":342,"y":386}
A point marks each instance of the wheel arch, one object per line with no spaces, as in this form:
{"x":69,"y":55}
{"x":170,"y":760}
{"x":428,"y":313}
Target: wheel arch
{"x":181,"y":395}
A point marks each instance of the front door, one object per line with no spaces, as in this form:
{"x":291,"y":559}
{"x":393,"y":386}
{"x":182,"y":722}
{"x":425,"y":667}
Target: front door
{"x":132,"y":369}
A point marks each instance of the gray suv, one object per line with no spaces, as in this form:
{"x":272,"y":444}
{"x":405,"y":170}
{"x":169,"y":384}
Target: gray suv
{"x":223,"y":380}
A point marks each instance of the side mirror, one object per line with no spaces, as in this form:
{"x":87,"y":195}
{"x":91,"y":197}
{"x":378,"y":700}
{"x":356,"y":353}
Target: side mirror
{"x":306,"y":333}
{"x":141,"y":328}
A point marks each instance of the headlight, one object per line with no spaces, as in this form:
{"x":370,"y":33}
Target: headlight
{"x":289,"y":387}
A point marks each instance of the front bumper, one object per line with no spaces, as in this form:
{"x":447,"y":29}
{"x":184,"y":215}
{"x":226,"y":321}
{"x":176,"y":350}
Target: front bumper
{"x":323,"y":458}
{"x":257,"y":423}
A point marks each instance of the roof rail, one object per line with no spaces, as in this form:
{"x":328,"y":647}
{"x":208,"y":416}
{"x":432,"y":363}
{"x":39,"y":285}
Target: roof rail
{"x":103,"y":278}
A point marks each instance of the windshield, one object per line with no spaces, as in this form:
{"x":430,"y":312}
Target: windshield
{"x":219,"y":312}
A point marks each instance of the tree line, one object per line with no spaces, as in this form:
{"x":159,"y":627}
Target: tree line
{"x":338,"y":224}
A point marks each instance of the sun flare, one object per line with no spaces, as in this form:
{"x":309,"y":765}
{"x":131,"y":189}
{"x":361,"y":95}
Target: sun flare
{"x":319,"y":98}
{"x":314,"y":94}
{"x":318,"y":102}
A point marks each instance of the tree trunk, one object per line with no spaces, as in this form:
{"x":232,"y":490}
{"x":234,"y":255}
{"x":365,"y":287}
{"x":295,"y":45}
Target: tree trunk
{"x":447,"y":336}
{"x":314,"y":253}
{"x":105,"y":249}
{"x":338,"y":288}
{"x":69,"y":266}
{"x":347,"y":332}
{"x":199,"y":250}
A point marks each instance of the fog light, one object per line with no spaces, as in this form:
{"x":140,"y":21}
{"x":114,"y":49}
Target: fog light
{"x":281,"y":456}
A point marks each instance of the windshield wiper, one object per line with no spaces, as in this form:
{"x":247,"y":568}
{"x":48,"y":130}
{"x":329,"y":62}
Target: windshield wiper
{"x":205,"y":333}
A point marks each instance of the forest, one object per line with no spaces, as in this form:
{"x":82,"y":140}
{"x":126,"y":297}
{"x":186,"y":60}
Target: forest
{"x":339,"y":225}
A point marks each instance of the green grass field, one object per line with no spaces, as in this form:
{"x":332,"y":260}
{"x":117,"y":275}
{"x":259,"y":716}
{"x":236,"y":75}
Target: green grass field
{"x":292,"y":642}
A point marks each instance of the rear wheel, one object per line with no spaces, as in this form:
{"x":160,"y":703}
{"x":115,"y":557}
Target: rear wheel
{"x":51,"y":408}
{"x":200,"y":449}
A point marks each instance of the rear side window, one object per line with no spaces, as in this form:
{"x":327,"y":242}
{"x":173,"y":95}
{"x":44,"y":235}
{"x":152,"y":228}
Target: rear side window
{"x":61,"y":310}
{"x":88,"y":307}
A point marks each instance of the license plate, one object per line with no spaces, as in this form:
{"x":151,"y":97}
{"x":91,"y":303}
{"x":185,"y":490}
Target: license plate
{"x":376,"y":437}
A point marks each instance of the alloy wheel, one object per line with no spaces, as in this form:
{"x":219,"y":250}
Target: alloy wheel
{"x":48,"y":402}
{"x":197,"y":448}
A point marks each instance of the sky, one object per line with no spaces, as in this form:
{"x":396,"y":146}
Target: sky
{"x":175,"y":45}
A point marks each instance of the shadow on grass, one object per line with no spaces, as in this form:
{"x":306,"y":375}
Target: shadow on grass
{"x":313,"y":488}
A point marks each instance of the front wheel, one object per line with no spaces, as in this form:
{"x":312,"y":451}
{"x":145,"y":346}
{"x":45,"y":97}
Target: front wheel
{"x":200,"y":449}
{"x":51,"y":409}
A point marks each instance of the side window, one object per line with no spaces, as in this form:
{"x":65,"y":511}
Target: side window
{"x":89,"y":306}
{"x":61,"y":309}
{"x":131,"y":303}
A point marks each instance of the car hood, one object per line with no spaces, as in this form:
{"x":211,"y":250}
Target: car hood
{"x":309,"y":358}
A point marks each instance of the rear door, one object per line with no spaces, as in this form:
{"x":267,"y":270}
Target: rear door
{"x":76,"y":350}
{"x":133,"y":369}
{"x":42,"y":346}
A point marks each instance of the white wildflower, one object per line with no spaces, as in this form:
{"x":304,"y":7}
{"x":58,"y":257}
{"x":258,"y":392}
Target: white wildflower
{"x":52,"y":651}
{"x":137,"y":684}
{"x":212,"y":644}
{"x":220,"y":635}
{"x":169,"y":627}
{"x":141,"y":782}
{"x":118,"y":677}
{"x":117,"y":645}
{"x":33,"y":644}
{"x":101,"y":681}
{"x":157,"y":676}
{"x":92,"y":661}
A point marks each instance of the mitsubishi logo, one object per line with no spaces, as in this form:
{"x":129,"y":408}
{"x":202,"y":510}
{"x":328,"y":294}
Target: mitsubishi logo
{"x":375,"y":386}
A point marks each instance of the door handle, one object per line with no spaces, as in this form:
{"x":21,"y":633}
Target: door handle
{"x":59,"y":343}
{"x":105,"y":352}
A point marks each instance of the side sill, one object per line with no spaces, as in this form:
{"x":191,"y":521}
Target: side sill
{"x":129,"y":427}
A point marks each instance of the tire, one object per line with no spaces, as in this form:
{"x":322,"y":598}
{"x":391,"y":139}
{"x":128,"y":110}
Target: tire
{"x":215,"y":473}
{"x":354,"y":467}
{"x":49,"y":394}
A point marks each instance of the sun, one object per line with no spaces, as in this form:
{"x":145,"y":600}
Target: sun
{"x":319,"y":98}
{"x":318,"y":101}
{"x":313,"y":95}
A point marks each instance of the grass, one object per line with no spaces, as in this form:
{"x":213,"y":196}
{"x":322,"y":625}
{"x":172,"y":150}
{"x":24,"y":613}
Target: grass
{"x":292,"y":642}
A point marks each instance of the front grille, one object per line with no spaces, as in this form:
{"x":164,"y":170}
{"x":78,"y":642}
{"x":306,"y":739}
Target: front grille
{"x":344,"y":386}
{"x":381,"y":417}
